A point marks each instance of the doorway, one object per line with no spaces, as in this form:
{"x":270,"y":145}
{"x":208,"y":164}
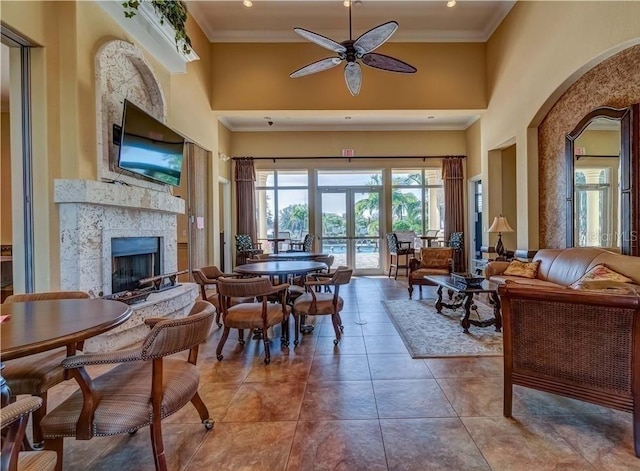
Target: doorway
{"x":350,"y":228}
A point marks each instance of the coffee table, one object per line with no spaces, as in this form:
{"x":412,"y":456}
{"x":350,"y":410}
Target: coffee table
{"x":465,"y":298}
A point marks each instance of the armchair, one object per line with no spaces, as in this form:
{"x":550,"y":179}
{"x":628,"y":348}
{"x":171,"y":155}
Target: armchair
{"x":433,"y":261}
{"x":246,"y":248}
{"x":144,"y":389}
{"x":13,"y":418}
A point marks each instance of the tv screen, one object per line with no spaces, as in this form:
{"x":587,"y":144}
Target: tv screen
{"x":149,"y":148}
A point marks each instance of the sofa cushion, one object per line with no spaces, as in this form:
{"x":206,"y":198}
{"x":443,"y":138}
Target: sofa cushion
{"x":433,"y":257}
{"x":600,"y":273}
{"x":523,"y":269}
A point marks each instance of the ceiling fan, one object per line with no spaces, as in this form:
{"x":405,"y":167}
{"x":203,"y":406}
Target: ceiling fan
{"x":354,"y":51}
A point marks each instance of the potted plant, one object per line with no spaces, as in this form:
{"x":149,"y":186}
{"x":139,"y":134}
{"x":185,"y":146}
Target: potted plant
{"x":173,"y":11}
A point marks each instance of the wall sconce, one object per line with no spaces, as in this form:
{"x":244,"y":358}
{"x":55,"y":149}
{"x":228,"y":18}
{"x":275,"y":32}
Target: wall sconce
{"x":500,"y":225}
{"x":224,"y":157}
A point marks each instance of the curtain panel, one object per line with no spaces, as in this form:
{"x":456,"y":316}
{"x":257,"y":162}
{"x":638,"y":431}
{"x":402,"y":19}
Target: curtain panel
{"x":245,"y":177}
{"x":453,"y":178}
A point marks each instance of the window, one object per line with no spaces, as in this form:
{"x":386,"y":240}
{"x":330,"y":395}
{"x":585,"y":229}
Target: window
{"x":282,"y":203}
{"x":593,"y":207}
{"x":417,"y":200}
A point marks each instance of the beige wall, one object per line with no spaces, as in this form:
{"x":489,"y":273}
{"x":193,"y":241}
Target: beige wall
{"x":256,"y":77}
{"x":5,"y":180}
{"x":474,"y":162}
{"x":536,"y":53}
{"x":509,"y":203}
{"x":64,"y":104}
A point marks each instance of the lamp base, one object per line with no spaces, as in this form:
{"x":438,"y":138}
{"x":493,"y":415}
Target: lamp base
{"x":499,"y":246}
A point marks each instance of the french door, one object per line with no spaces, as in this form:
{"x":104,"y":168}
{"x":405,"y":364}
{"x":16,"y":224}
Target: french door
{"x":350,"y":227}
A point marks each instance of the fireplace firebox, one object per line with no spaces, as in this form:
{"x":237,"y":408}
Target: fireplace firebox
{"x":132,"y":259}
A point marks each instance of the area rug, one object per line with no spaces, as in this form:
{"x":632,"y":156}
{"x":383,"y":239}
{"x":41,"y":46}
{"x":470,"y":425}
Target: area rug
{"x":428,"y":334}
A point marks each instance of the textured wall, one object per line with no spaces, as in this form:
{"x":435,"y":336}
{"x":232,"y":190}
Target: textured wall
{"x":614,"y":82}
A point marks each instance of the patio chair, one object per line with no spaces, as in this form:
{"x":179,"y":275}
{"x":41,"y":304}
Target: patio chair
{"x":148,"y":385}
{"x":36,"y":374}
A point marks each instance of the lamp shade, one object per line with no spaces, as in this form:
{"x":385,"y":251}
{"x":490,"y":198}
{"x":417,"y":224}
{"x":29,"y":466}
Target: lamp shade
{"x":500,"y":224}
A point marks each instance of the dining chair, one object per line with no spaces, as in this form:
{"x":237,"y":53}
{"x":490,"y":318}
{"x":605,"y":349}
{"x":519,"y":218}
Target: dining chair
{"x":313,"y":303}
{"x":149,"y":384}
{"x":246,"y":248}
{"x":208,"y":276}
{"x":398,"y":249}
{"x":305,"y":246}
{"x":36,"y":374}
{"x":13,"y":421}
{"x":260,"y":314}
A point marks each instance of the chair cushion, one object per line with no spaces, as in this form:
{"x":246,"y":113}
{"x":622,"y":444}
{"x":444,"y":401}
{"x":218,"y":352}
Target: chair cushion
{"x":215,"y":300}
{"x":249,"y":315}
{"x":323,"y":305}
{"x":433,"y":257}
{"x":37,"y":460}
{"x":422,"y":272}
{"x":125,"y":399}
{"x":35,"y":374}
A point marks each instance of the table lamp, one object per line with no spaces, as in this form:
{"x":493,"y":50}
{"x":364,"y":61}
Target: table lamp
{"x":500,"y":225}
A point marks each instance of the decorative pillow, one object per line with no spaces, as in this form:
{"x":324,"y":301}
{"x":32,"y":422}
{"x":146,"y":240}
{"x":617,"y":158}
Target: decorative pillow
{"x":608,"y":287}
{"x":522,"y":269}
{"x":600,"y":273}
{"x":432,"y":257}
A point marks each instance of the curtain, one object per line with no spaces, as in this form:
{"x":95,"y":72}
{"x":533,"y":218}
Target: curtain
{"x":452,"y":177}
{"x":245,"y":177}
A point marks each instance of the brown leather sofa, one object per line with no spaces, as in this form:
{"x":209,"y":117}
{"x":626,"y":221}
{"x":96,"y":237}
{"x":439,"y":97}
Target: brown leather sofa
{"x":560,"y":268}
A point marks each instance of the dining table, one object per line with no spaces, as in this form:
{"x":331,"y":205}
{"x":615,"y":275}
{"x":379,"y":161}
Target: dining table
{"x":31,"y":327}
{"x":296,"y":256}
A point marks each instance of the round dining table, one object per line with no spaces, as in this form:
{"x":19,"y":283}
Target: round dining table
{"x":296,"y":256}
{"x":32,"y":327}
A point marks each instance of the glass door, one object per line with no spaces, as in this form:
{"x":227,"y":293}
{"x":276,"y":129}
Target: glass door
{"x":350,"y":228}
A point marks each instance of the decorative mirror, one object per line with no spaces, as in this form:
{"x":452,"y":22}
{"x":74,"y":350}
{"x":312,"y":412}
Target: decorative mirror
{"x":600,"y":191}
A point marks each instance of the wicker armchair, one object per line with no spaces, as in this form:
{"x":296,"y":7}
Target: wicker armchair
{"x":38,"y":373}
{"x":580,"y":344}
{"x":261,"y":314}
{"x":13,"y":418}
{"x":316,"y":304}
{"x":144,"y":389}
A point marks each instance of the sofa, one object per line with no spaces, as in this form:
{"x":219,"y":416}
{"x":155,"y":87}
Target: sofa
{"x":559,"y":268}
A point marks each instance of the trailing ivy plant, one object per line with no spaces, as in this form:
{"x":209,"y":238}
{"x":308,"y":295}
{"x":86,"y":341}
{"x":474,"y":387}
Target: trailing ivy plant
{"x":174,"y":11}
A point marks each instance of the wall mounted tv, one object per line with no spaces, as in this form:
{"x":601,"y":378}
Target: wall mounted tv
{"x":149,"y":148}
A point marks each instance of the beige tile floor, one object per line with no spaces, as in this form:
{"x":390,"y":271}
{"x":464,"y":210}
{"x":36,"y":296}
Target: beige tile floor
{"x":364,"y":405}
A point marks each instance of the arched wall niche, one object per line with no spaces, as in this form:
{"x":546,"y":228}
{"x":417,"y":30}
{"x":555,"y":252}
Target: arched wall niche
{"x":614,"y":82}
{"x":123,"y":72}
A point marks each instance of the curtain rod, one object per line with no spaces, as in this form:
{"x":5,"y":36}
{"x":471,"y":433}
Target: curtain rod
{"x":423,"y":157}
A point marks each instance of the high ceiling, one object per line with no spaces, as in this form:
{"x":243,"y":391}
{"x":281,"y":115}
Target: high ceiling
{"x":419,"y":20}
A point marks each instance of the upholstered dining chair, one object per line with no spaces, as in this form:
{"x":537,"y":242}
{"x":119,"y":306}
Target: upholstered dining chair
{"x":397,"y":250}
{"x":313,"y":303}
{"x":208,"y":277}
{"x":246,"y":248}
{"x":142,"y":390}
{"x":260,"y":314}
{"x":13,"y":418}
{"x":36,"y":374}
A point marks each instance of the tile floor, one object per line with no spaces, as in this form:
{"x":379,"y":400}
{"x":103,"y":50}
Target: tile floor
{"x":365,"y":405}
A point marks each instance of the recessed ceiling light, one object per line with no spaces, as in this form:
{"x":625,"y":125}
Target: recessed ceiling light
{"x":347,"y":117}
{"x":431,"y":117}
{"x":451,"y":3}
{"x":248,"y":3}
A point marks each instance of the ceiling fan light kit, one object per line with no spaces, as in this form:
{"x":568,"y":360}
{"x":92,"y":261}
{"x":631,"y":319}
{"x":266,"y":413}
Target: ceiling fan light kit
{"x":353,"y":51}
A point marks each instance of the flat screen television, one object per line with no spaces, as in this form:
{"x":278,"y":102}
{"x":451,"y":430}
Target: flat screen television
{"x":149,"y":148}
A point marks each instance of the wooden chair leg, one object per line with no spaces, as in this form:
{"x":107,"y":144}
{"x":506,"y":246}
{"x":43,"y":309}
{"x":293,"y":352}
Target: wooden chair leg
{"x":265,"y":340}
{"x":57,"y":445}
{"x":336,"y":328}
{"x":156,"y":443}
{"x":37,"y":416}
{"x":200,"y":406}
{"x":297,"y":330}
{"x":223,"y":339}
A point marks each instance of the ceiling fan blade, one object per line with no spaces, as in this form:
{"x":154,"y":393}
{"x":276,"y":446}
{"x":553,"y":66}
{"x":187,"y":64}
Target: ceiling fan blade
{"x":375,"y":37}
{"x":321,"y":40}
{"x":353,"y":77}
{"x":388,"y":63}
{"x":318,"y":66}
